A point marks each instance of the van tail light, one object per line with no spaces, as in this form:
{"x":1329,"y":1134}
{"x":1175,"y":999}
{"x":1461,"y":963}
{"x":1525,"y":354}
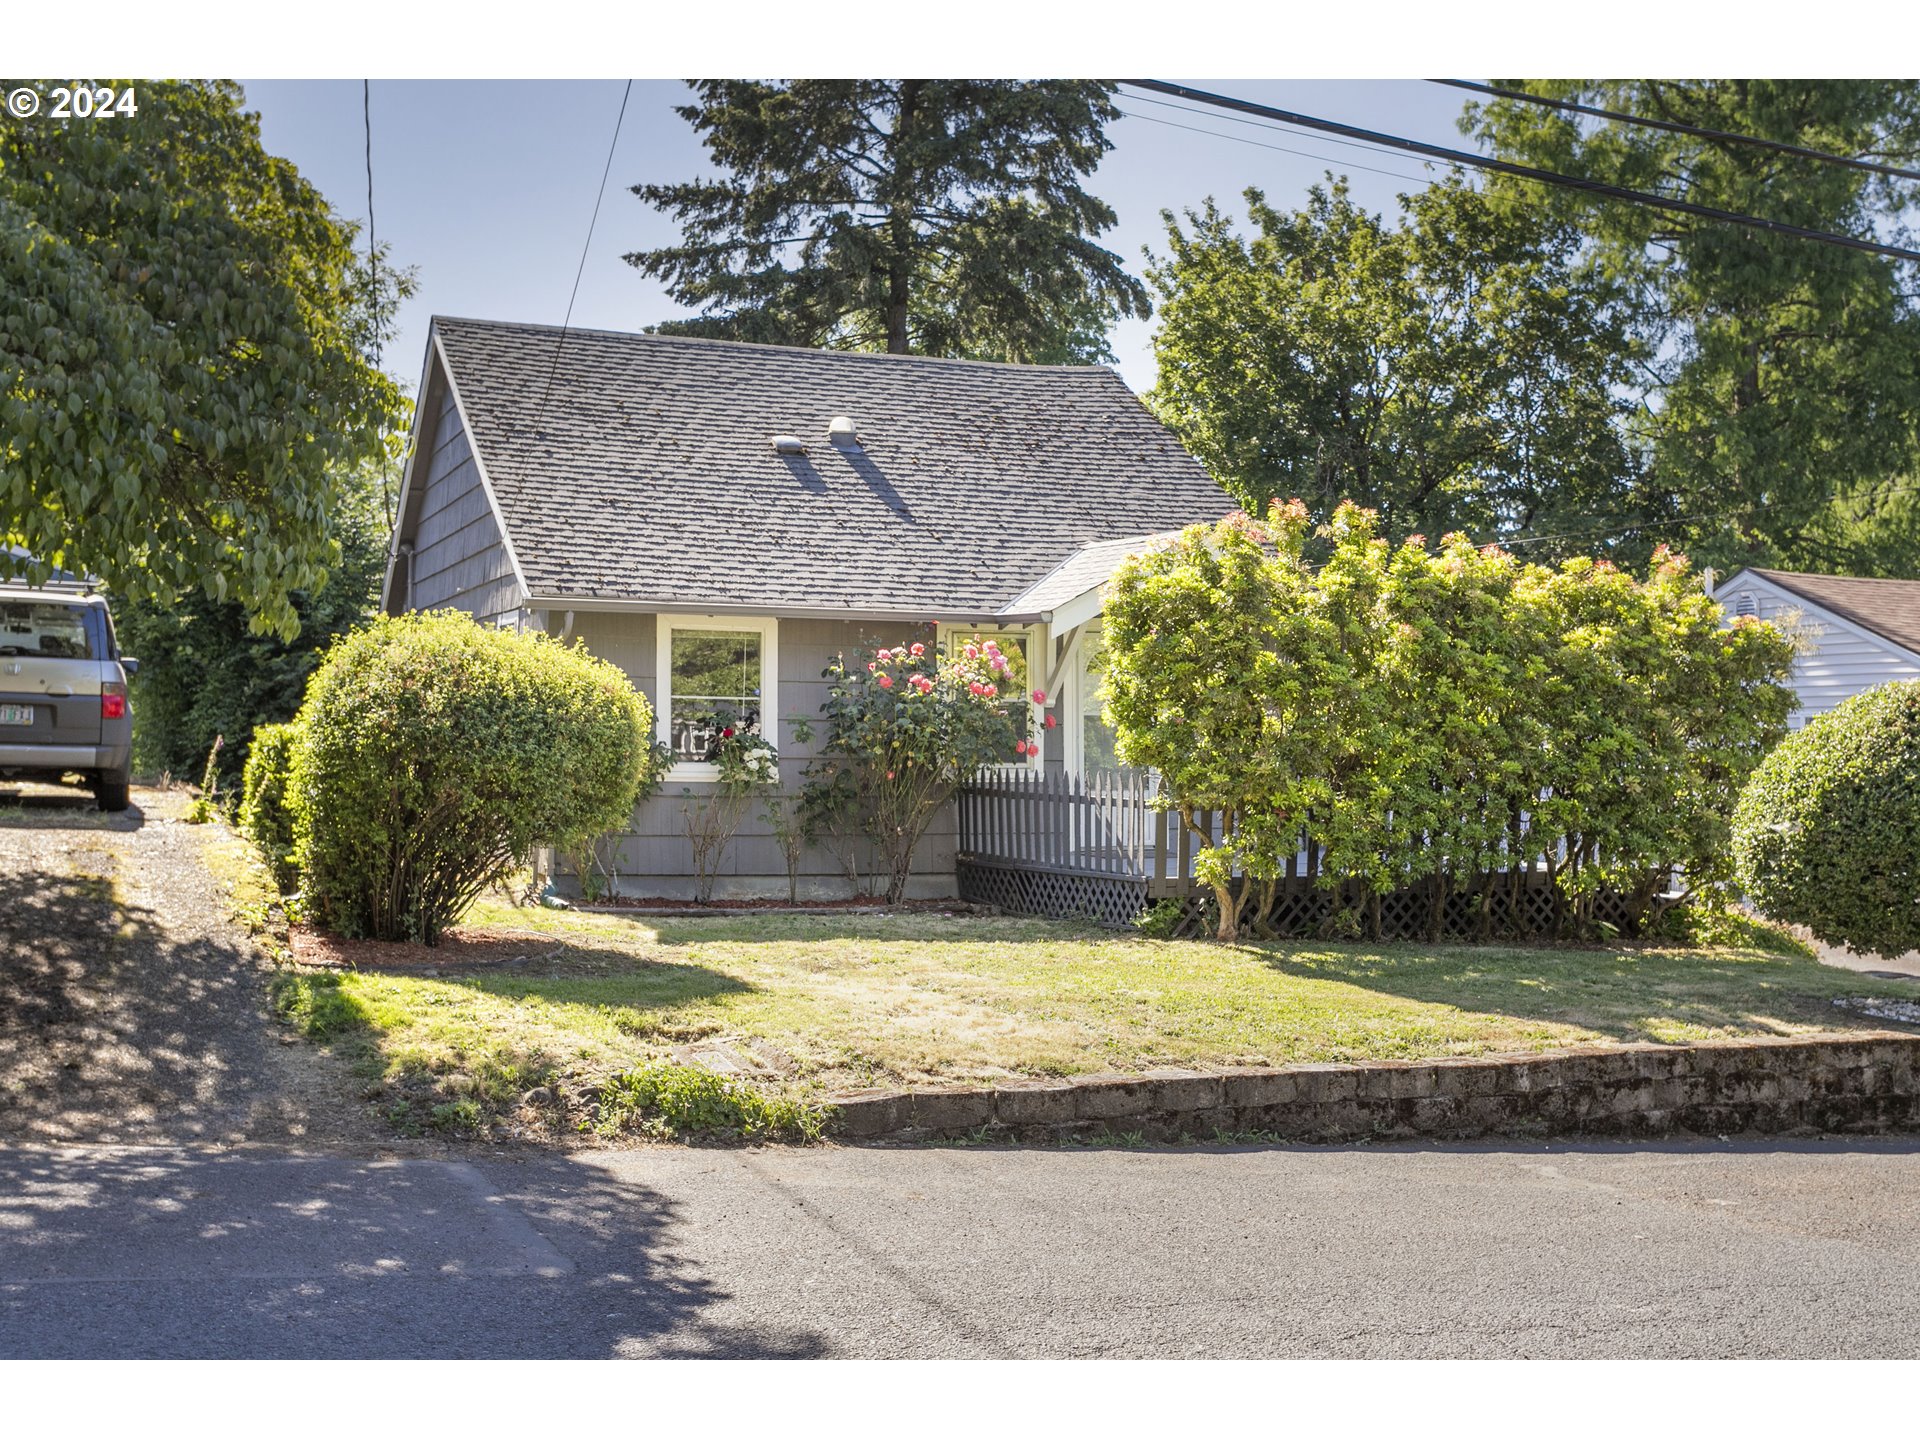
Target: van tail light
{"x":113,"y":701}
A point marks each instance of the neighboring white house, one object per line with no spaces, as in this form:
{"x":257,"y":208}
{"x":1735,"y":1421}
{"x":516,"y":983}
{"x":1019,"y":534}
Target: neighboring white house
{"x":1856,"y":633}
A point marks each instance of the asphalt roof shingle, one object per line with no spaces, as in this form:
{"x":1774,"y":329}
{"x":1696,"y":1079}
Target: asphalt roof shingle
{"x":647,"y":473}
{"x":1889,"y":608}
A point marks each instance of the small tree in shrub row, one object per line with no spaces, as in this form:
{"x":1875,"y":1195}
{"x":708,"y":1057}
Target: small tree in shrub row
{"x":438,"y":753}
{"x":1435,"y":720}
{"x":266,"y":811}
{"x":1827,"y":834}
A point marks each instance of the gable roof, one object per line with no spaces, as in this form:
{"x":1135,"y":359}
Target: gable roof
{"x":647,"y":474}
{"x":1888,"y":608}
{"x":1092,"y":564}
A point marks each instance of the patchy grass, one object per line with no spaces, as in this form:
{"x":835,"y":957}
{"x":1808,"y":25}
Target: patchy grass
{"x":595,"y":1033}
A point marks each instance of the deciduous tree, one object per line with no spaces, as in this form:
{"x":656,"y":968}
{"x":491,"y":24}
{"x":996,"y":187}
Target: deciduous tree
{"x":184,"y":370}
{"x":1445,"y":371}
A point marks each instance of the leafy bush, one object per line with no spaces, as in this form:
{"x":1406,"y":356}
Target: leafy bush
{"x":266,"y":816}
{"x":206,"y":671}
{"x":1827,"y":833}
{"x":439,"y":753}
{"x":901,"y":734}
{"x":1436,"y":722}
{"x":671,"y":1099}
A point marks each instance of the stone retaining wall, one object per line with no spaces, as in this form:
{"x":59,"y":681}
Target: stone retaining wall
{"x":1855,"y":1083}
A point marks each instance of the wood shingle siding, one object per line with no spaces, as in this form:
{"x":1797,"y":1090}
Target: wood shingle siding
{"x":653,"y":856}
{"x":459,"y":561}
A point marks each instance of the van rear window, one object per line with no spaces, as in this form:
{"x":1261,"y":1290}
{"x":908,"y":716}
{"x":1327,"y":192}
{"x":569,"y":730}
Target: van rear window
{"x":48,"y":629}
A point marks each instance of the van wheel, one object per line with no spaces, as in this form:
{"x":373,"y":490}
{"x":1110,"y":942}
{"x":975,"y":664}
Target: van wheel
{"x":110,"y":789}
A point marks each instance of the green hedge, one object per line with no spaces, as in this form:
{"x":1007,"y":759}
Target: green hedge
{"x":439,"y":753}
{"x":1827,"y":834}
{"x":1435,"y":720}
{"x":266,"y":814}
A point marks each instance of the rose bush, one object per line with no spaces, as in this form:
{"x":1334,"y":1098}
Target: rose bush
{"x":901,"y":729}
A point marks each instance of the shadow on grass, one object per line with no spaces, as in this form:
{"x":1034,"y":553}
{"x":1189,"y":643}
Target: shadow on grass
{"x":435,"y":1061}
{"x":1625,"y":995}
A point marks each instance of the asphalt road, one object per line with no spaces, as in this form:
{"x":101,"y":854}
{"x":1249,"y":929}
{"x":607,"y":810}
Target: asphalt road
{"x":1742,"y":1249}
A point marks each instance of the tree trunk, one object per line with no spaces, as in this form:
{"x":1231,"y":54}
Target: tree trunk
{"x":900,"y":227}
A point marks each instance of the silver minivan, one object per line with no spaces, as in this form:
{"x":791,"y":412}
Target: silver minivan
{"x":63,"y":691}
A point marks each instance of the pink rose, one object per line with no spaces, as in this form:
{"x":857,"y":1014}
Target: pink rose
{"x":970,"y":653}
{"x":889,"y":774}
{"x":886,"y":682}
{"x":989,"y":690}
{"x":1039,"y":697}
{"x":1019,"y":747}
{"x":1051,"y":722}
{"x":916,"y":649}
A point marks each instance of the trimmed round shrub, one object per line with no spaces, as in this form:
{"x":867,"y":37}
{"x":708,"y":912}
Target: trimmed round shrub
{"x":266,"y":814}
{"x":439,"y":753}
{"x":1827,"y":832}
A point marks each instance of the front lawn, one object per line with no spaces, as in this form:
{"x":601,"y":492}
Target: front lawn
{"x":803,"y":1005}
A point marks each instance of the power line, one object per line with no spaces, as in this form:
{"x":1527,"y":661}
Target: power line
{"x":1529,"y":172}
{"x":373,"y":282}
{"x":1678,"y":128}
{"x":1285,"y":150}
{"x":1259,"y":125}
{"x":1605,"y":534}
{"x":560,"y":343}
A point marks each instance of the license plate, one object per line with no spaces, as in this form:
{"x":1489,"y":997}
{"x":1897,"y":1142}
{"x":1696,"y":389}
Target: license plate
{"x":16,"y":714}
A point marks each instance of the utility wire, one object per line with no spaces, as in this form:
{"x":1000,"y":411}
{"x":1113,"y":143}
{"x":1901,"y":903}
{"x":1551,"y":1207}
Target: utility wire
{"x":373,"y":284}
{"x":1529,"y":172}
{"x":1261,"y":125}
{"x":1678,"y":128}
{"x":581,"y":269}
{"x":1283,"y":149}
{"x":1604,"y":534}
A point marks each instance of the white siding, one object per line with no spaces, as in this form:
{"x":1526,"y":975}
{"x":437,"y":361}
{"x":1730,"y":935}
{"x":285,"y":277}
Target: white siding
{"x":1837,"y":661}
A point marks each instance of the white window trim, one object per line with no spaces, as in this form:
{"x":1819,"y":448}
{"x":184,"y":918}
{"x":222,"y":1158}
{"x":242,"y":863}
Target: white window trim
{"x":666,"y":623}
{"x":1038,"y":655}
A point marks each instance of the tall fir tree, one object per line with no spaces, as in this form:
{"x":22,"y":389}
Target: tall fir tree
{"x":932,"y":217}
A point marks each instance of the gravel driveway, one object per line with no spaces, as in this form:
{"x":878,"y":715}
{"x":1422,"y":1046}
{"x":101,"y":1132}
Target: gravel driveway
{"x":132,"y":1008}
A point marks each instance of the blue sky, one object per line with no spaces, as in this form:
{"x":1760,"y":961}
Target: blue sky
{"x":487,"y":186}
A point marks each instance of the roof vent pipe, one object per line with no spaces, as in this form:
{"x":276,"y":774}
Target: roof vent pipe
{"x":841,"y":432}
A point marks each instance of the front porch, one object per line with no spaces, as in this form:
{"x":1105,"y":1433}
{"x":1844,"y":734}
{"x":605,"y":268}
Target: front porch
{"x":1093,"y":846}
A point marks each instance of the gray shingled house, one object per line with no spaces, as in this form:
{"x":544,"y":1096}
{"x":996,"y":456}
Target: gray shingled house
{"x":721,"y":519}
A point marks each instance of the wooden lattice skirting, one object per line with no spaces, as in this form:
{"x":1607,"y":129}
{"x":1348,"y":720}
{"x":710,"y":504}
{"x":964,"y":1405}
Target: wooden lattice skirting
{"x":1530,"y":909}
{"x":1109,"y":900}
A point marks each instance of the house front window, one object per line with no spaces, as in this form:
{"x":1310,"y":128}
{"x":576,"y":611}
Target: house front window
{"x":1019,"y":646}
{"x":716,"y":675}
